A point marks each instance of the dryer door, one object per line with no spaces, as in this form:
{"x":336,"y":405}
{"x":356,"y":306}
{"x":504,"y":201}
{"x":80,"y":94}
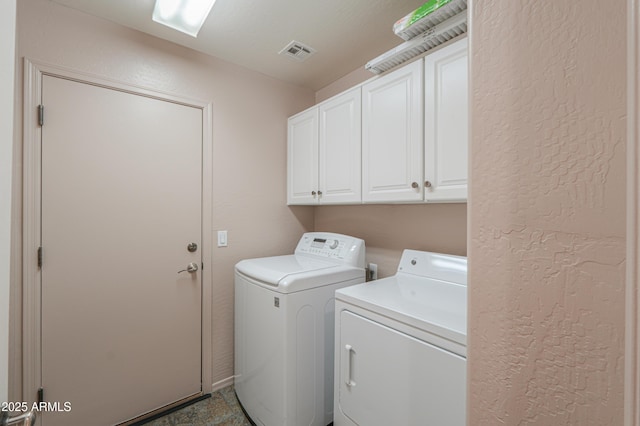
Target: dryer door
{"x":387,"y":377}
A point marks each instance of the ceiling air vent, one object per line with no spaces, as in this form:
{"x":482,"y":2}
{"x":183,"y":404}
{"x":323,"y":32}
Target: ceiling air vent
{"x":298,"y":51}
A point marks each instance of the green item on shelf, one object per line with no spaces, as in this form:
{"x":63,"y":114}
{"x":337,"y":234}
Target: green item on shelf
{"x":419,"y":13}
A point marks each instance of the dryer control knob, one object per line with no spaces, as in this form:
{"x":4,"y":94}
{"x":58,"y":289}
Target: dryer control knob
{"x":334,"y":244}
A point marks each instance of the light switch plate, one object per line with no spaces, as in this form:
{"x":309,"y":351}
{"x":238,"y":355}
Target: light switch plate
{"x":222,"y":238}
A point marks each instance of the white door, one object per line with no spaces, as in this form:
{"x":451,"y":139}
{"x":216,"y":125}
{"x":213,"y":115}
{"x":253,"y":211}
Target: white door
{"x":446,"y":104}
{"x":121,"y":202}
{"x":392,"y":155}
{"x":390,"y":378}
{"x":302,"y":158}
{"x":340,"y":149}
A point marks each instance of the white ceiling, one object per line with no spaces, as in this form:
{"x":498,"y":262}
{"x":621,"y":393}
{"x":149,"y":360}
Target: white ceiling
{"x":345,"y":33}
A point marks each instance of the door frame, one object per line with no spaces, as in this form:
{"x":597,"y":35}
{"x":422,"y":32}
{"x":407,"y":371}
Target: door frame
{"x":7,"y":149}
{"x":31,"y":226}
{"x":632,"y":294}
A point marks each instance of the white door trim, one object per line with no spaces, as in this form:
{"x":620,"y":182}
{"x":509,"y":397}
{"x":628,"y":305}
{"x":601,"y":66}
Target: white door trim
{"x":33,"y":72}
{"x":632,"y":326}
{"x":7,"y":102}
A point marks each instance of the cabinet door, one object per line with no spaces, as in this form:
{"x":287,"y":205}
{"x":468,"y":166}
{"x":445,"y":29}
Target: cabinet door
{"x":446,"y":123}
{"x":392,"y":121}
{"x":390,"y":378}
{"x":302,"y":158}
{"x":340,"y":149}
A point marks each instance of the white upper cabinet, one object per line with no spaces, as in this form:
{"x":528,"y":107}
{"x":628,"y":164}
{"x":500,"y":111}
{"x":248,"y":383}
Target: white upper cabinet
{"x":392,"y":141}
{"x":399,"y":138}
{"x":446,"y":123}
{"x":324,"y":152}
{"x":340,"y":149}
{"x":302,"y":158}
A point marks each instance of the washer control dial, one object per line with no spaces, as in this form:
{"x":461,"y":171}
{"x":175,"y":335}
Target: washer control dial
{"x":334,"y":244}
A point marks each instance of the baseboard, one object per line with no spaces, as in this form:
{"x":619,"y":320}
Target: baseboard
{"x":222,"y":383}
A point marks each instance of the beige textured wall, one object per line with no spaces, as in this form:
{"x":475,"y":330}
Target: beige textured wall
{"x":354,"y":78}
{"x":249,"y":139}
{"x":388,"y":229}
{"x":547,"y":213}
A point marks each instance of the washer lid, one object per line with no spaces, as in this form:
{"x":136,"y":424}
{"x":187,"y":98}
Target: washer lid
{"x":271,"y":270}
{"x":293,"y":273}
{"x":438,"y":307}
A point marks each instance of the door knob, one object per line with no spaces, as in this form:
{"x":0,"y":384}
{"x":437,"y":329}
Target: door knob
{"x":25,"y":419}
{"x":192,"y":267}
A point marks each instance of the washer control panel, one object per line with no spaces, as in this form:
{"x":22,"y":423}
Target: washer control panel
{"x":332,"y":246}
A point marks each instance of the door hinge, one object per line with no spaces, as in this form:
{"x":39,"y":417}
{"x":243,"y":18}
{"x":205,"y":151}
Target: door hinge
{"x":40,"y":395}
{"x":39,"y":257}
{"x":41,"y":115}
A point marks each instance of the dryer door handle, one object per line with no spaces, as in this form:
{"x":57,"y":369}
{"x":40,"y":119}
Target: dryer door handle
{"x":350,"y":352}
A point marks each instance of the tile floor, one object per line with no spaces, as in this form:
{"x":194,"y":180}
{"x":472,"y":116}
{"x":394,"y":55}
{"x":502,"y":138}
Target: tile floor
{"x":221,"y":409}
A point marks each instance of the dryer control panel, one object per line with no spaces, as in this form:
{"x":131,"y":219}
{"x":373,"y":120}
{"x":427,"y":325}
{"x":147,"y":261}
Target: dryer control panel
{"x":342,"y":248}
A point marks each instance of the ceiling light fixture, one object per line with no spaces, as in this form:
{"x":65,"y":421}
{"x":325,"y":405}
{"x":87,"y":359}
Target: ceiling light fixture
{"x":186,"y":16}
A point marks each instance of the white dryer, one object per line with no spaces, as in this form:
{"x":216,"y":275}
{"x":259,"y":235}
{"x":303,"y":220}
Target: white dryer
{"x":284,"y":329}
{"x":401,"y":345}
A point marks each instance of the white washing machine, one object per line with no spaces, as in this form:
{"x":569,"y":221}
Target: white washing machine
{"x":284,"y":329}
{"x":401,"y":345}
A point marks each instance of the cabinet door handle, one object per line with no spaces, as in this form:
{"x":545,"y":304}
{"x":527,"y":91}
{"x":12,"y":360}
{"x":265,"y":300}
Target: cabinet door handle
{"x":319,"y":193}
{"x":427,"y":184}
{"x":415,"y":185}
{"x":350,"y":352}
{"x":313,"y":193}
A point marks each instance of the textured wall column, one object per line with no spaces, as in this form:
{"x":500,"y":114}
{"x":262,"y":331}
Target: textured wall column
{"x":547,"y":212}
